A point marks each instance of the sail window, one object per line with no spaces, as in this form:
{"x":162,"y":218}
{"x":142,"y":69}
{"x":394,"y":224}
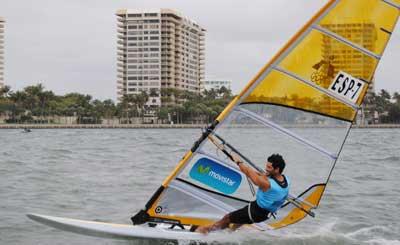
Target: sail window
{"x":287,"y":132}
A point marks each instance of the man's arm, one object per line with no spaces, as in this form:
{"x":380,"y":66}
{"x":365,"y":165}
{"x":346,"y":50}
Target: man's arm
{"x":255,"y":177}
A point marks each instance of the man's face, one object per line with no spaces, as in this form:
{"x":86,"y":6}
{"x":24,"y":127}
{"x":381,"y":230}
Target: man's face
{"x":270,"y":171}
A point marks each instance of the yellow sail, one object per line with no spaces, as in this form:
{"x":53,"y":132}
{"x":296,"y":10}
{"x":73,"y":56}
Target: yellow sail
{"x":318,"y":79}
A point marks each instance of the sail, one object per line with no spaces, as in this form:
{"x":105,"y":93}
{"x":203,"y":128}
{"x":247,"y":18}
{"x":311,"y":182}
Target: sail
{"x":317,"y":80}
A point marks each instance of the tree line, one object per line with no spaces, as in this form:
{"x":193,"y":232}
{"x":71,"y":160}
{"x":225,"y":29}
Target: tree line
{"x":383,"y":107}
{"x":35,"y":104}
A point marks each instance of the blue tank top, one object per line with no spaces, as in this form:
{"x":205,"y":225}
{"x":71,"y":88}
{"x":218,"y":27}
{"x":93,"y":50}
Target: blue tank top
{"x":274,"y":197}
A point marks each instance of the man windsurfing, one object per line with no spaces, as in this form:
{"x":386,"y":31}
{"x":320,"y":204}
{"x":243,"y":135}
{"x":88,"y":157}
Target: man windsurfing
{"x":273,"y":189}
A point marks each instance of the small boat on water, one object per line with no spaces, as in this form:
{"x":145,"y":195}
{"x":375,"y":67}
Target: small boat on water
{"x":27,"y":130}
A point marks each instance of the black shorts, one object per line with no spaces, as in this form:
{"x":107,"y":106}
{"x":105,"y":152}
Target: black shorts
{"x":249,"y":214}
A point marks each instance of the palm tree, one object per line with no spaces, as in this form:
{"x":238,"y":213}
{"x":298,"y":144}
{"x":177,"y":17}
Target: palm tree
{"x":4,"y":91}
{"x":141,"y":100}
{"x":396,"y":97}
{"x":44,"y":98}
{"x":19,"y":99}
{"x":110,"y":109}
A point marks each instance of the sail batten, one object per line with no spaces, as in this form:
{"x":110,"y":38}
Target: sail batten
{"x":392,"y":4}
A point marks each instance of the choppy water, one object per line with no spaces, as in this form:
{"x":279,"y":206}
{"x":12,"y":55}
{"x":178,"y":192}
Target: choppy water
{"x":107,"y":175}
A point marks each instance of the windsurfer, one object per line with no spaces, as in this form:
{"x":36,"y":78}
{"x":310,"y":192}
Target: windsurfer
{"x":273,"y":188}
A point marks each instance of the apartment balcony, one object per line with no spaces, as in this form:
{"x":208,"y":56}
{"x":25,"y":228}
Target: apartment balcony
{"x":167,"y":35}
{"x":121,"y":59}
{"x":121,"y":85}
{"x":121,"y":25}
{"x":121,"y":53}
{"x":121,"y":65}
{"x":170,"y":18}
{"x":119,"y":47}
{"x":121,"y":42}
{"x":123,"y":31}
{"x":121,"y":73}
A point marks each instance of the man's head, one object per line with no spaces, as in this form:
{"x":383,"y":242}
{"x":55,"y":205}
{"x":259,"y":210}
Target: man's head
{"x":275,"y":165}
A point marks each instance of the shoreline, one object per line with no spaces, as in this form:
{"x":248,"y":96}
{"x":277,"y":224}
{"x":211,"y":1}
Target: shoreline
{"x":97,"y":126}
{"x":157,"y":126}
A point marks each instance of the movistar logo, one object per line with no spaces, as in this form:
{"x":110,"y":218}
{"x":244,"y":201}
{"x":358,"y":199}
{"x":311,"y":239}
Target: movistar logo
{"x":207,"y":171}
{"x":203,"y":170}
{"x":215,"y":175}
{"x":221,"y":178}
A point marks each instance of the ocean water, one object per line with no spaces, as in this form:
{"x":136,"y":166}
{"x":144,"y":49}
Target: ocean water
{"x":109,"y":174}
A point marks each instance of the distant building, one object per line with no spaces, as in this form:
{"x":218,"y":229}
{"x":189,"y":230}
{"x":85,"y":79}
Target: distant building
{"x":158,"y":49}
{"x":217,"y":84}
{"x":2,"y":21}
{"x":350,"y":59}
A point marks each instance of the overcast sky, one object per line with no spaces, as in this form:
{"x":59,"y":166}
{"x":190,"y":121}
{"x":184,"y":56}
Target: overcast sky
{"x":70,"y":45}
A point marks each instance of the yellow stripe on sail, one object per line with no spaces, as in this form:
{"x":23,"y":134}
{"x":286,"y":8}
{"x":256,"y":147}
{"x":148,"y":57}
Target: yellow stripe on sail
{"x":296,"y":214}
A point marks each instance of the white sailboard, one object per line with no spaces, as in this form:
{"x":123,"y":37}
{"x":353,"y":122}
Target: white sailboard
{"x":319,"y":78}
{"x":115,"y":231}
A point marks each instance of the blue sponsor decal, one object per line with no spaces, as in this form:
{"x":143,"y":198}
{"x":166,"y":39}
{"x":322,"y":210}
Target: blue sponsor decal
{"x":215,"y":175}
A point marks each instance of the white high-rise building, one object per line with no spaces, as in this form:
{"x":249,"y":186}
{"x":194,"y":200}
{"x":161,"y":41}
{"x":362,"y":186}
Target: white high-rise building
{"x":2,"y":21}
{"x":158,"y":49}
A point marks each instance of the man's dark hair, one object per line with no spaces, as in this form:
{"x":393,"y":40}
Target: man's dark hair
{"x":277,"y":162}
